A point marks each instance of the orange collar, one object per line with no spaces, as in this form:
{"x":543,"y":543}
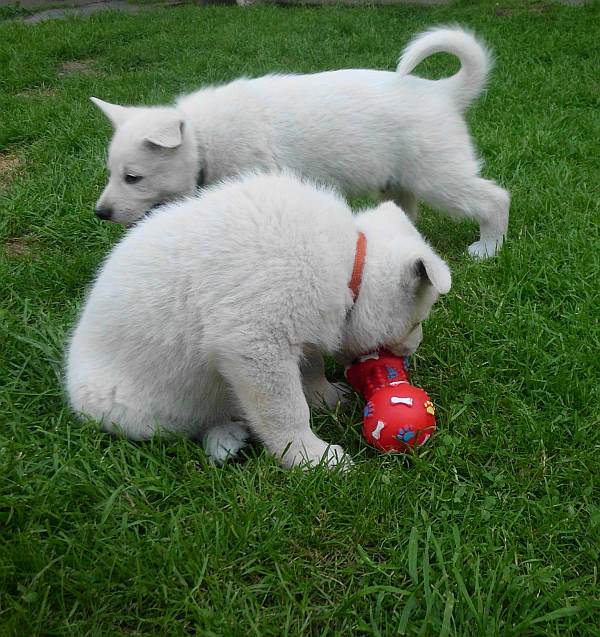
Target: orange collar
{"x":359,"y":265}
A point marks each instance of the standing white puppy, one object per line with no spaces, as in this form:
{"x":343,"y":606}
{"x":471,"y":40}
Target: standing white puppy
{"x":362,"y":131}
{"x":209,"y":317}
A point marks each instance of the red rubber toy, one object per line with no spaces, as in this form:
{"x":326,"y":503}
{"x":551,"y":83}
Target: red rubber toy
{"x":397,"y":416}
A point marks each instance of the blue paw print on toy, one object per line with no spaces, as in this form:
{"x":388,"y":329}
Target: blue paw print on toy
{"x":404,"y":435}
{"x":391,"y":372}
{"x":368,"y":410}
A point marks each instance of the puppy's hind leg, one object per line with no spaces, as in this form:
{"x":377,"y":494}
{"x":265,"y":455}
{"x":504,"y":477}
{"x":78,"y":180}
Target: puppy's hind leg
{"x":225,"y":440}
{"x":116,"y":410}
{"x":479,"y":199}
{"x":269,"y":391}
{"x":490,"y":205}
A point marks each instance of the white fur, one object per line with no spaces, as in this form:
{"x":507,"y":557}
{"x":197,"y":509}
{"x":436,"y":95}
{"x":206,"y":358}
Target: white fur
{"x":362,"y":131}
{"x":216,"y":309}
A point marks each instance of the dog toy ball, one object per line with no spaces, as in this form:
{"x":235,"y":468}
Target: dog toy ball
{"x":397,"y":416}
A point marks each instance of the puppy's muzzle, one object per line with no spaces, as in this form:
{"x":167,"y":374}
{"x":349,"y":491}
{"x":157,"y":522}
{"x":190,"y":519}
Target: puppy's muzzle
{"x":104,"y":213}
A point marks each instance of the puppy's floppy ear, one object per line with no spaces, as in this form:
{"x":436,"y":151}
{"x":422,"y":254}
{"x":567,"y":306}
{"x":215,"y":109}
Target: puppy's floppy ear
{"x":167,"y":134}
{"x":115,"y":113}
{"x":435,"y":271}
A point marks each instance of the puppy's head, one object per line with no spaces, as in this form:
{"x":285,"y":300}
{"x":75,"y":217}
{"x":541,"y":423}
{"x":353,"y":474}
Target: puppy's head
{"x":152,"y":159}
{"x":402,"y":279}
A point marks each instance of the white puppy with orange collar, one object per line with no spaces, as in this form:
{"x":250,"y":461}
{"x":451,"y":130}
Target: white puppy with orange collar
{"x":208,"y":319}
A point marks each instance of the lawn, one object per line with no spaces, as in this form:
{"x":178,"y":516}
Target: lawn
{"x":492,"y":529}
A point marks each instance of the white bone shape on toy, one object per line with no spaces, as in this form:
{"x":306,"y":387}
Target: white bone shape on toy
{"x":377,"y":431}
{"x":397,"y":400}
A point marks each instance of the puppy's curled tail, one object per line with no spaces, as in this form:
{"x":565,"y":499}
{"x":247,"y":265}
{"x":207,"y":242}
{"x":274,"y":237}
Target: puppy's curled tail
{"x":475,"y":60}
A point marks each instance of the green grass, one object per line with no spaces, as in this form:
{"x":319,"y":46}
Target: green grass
{"x":14,"y":10}
{"x":493,"y":529}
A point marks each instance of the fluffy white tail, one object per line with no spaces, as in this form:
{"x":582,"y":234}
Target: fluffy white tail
{"x":475,"y":60}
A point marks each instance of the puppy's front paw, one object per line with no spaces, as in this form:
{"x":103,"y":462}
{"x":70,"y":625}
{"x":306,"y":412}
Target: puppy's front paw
{"x":336,"y":456}
{"x":484,"y":249}
{"x":309,"y":456}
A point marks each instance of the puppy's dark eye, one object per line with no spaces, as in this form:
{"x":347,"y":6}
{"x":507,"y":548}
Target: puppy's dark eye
{"x":132,"y":179}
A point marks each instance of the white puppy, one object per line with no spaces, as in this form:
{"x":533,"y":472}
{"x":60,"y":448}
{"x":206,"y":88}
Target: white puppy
{"x":208,"y":318}
{"x":362,"y":131}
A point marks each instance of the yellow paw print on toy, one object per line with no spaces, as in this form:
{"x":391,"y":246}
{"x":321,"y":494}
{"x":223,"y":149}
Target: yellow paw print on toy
{"x":429,"y":408}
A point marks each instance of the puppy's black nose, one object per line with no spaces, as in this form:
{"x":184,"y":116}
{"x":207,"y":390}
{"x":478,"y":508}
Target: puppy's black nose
{"x":104,"y":213}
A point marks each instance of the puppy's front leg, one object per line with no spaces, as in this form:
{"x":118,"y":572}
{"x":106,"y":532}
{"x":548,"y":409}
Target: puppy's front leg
{"x":408,"y":202}
{"x":317,"y":389}
{"x":269,"y":390}
{"x":405,"y":199}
